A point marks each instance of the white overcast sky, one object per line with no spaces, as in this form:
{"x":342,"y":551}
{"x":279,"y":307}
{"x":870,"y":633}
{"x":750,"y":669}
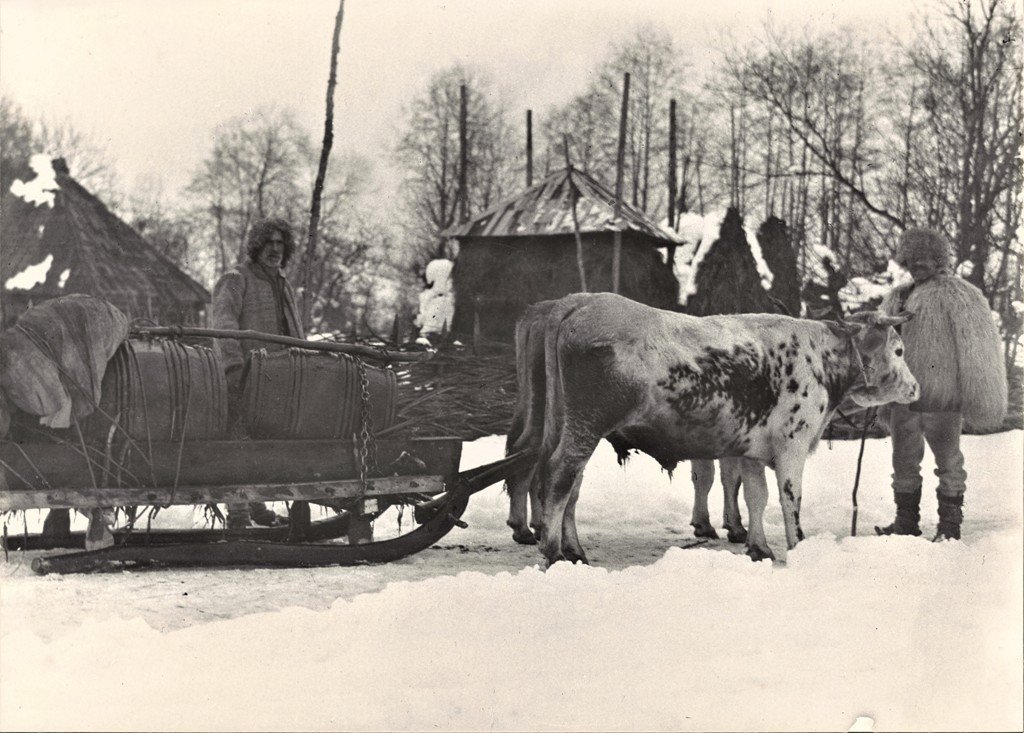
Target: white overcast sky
{"x":150,"y":79}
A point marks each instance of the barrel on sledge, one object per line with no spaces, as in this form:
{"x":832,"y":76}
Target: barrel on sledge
{"x":305,"y":394}
{"x":162,"y":390}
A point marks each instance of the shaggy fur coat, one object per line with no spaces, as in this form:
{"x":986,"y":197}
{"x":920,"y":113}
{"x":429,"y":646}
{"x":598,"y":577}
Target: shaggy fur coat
{"x":953,"y":349}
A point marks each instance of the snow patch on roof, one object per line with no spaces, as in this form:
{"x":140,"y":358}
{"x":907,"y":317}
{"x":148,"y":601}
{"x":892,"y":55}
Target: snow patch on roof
{"x":63,"y":280}
{"x":31,"y":276}
{"x":41,"y":189}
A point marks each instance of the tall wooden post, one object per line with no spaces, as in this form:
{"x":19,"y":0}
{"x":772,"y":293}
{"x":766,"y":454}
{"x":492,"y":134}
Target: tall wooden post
{"x":672,"y":163}
{"x":309,"y":257}
{"x":672,"y":175}
{"x":529,"y":148}
{"x":580,"y":263}
{"x":463,"y":154}
{"x":620,"y":162}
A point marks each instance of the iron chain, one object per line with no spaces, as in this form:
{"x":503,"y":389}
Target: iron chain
{"x":366,"y":442}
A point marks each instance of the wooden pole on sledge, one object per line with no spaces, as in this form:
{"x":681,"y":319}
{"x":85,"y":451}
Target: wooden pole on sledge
{"x":368,"y":352}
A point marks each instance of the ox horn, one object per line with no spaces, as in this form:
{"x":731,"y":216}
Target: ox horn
{"x":877,"y":318}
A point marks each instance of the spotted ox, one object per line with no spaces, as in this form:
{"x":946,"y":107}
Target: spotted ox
{"x":527,"y":429}
{"x":757,"y":388}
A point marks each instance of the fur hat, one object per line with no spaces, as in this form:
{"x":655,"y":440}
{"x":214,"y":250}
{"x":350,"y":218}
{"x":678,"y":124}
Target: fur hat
{"x":260,"y":233}
{"x":920,"y":243}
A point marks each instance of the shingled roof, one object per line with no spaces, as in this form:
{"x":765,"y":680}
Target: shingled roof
{"x":76,"y":245}
{"x":546,"y":208}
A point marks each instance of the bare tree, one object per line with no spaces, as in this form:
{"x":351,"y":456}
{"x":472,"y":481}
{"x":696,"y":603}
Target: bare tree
{"x":964,"y":135}
{"x":16,"y":143}
{"x":428,"y":154}
{"x":592,"y":118}
{"x":254,"y":169}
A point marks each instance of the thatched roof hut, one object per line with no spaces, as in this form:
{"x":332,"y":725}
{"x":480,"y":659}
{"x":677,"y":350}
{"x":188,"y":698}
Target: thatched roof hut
{"x":523,"y":250}
{"x":57,"y":238}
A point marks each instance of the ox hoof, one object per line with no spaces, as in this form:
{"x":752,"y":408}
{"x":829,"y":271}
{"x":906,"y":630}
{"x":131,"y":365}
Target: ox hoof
{"x":757,"y":553}
{"x":738,"y":536}
{"x":524,"y":536}
{"x":575,"y":557}
{"x":705,"y":530}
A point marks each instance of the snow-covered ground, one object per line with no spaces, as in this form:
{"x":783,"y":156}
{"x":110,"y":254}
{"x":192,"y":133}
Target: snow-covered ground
{"x":472,"y":634}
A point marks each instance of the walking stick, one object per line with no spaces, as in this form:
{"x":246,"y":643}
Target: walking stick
{"x":869,"y":417}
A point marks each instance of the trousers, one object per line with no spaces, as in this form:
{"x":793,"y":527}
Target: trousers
{"x":941,"y":431}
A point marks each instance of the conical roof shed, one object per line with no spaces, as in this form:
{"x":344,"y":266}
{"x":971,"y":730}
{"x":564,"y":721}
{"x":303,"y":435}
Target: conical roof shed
{"x":523,"y":250}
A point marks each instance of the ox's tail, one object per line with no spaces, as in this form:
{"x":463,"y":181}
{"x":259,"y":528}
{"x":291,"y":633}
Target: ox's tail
{"x":554,"y":411}
{"x":526,"y":430}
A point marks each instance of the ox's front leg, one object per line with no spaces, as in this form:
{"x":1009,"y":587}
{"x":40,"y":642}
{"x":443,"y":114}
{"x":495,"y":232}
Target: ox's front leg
{"x":536,"y":507}
{"x":703,"y":474}
{"x":789,"y":472}
{"x":731,"y":470}
{"x":571,"y":547}
{"x":755,"y":491}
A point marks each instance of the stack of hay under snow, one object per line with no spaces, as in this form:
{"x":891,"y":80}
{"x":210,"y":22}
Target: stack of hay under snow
{"x":523,"y":250}
{"x":724,"y":267}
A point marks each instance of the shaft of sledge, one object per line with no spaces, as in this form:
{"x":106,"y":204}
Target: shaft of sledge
{"x":367,"y":352}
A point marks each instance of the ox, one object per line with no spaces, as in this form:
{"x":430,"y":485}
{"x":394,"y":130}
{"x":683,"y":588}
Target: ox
{"x":757,"y":388}
{"x":528,"y":425}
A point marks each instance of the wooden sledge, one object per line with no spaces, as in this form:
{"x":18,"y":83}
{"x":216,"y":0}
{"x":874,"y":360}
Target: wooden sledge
{"x":420,"y":473}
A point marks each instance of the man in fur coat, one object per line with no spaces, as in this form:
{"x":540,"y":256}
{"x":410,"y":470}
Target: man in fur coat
{"x":255,"y":296}
{"x":953,"y":350}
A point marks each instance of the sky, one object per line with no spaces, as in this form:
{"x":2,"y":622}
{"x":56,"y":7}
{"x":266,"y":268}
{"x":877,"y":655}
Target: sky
{"x":149,"y":80}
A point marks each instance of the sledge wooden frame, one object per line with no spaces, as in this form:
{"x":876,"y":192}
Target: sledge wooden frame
{"x":303,"y":471}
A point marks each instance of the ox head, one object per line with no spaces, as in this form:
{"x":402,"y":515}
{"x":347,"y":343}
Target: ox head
{"x":885,"y":376}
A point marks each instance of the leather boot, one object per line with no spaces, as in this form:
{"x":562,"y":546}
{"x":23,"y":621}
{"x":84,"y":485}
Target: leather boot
{"x":951,"y":516}
{"x":908,"y":515}
{"x":264,"y":516}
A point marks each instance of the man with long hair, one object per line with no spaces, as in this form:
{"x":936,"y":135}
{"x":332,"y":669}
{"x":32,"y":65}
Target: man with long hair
{"x":255,"y":295}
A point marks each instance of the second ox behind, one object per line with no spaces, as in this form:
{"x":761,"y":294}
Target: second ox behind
{"x":756,"y":387}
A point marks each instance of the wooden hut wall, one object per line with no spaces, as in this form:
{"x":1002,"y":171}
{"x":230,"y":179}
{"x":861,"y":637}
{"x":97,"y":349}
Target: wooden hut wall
{"x":499,"y":276}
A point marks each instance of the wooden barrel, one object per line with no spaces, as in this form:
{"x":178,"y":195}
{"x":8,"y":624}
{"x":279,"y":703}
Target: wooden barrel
{"x":296,"y":393}
{"x":160,"y":390}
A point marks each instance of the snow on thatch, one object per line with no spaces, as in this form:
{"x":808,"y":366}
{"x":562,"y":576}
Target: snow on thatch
{"x":75,"y":244}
